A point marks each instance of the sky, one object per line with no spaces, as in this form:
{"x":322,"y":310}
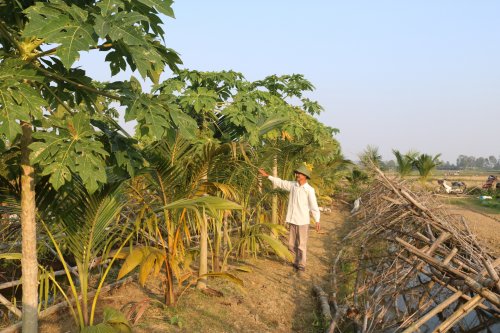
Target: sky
{"x":422,"y":75}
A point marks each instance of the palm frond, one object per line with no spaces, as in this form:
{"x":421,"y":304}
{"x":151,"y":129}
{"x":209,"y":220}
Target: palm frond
{"x":209,"y":202}
{"x":89,"y":229}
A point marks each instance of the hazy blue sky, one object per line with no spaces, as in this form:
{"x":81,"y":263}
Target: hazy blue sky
{"x":393,"y":74}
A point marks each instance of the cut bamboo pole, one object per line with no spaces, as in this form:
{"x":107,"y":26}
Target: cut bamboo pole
{"x":459,"y":314}
{"x":394,"y":201}
{"x":336,"y":309}
{"x":492,"y":272}
{"x":478,"y":287}
{"x":443,"y":237}
{"x":443,"y":305}
{"x":19,"y":282}
{"x":11,"y":307}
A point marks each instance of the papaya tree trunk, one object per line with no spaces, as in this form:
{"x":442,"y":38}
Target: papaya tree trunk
{"x":259,"y":190}
{"x":28,"y":232}
{"x":217,"y":246}
{"x":225,"y":238}
{"x":274,"y":207}
{"x":169,"y":277}
{"x":202,"y":282}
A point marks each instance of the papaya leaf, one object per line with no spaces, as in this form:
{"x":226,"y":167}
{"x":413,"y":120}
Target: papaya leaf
{"x":58,"y":23}
{"x":73,"y":148}
{"x":163,"y":6}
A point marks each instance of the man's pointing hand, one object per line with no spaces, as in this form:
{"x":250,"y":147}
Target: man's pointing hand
{"x":263,"y":173}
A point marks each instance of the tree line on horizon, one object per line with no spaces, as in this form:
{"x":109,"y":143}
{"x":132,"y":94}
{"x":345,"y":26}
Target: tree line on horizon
{"x":424,"y":164}
{"x":464,"y":162}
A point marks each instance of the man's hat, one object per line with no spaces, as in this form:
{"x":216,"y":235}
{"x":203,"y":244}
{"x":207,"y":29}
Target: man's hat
{"x":303,"y":169}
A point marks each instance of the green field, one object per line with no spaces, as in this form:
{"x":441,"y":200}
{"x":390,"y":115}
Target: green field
{"x":484,"y":206}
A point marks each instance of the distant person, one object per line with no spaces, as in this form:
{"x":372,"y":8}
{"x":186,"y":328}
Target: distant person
{"x":301,"y":203}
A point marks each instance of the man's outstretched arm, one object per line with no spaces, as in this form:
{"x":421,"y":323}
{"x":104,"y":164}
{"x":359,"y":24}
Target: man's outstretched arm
{"x":278,"y":182}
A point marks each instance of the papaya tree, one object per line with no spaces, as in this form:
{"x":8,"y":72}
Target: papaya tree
{"x":217,"y":109}
{"x":300,"y":132}
{"x":48,"y":104}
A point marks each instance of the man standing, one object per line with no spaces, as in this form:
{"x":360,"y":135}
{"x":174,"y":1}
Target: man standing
{"x":301,"y":203}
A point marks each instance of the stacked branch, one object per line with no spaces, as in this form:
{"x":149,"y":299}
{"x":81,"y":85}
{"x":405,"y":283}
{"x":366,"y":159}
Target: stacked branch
{"x":411,"y":266}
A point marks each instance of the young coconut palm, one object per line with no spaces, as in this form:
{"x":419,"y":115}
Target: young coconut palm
{"x":371,"y":156}
{"x":404,"y":162}
{"x":256,"y":234}
{"x":425,"y":164}
{"x":87,"y":225}
{"x":174,"y":200}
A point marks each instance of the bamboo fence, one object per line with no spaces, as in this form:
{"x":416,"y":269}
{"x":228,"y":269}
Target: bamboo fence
{"x":411,"y":266}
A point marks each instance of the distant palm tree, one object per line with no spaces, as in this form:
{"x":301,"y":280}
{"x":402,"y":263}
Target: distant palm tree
{"x":371,"y":156}
{"x":425,"y":164}
{"x":404,"y":162}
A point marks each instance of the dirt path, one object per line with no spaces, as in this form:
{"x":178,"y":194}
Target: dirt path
{"x":273,"y":299}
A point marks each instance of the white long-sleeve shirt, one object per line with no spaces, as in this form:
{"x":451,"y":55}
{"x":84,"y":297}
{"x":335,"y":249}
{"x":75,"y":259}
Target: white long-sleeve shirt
{"x":301,"y":203}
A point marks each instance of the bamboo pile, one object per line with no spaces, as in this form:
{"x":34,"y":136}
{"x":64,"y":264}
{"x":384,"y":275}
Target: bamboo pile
{"x":410,"y":266}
